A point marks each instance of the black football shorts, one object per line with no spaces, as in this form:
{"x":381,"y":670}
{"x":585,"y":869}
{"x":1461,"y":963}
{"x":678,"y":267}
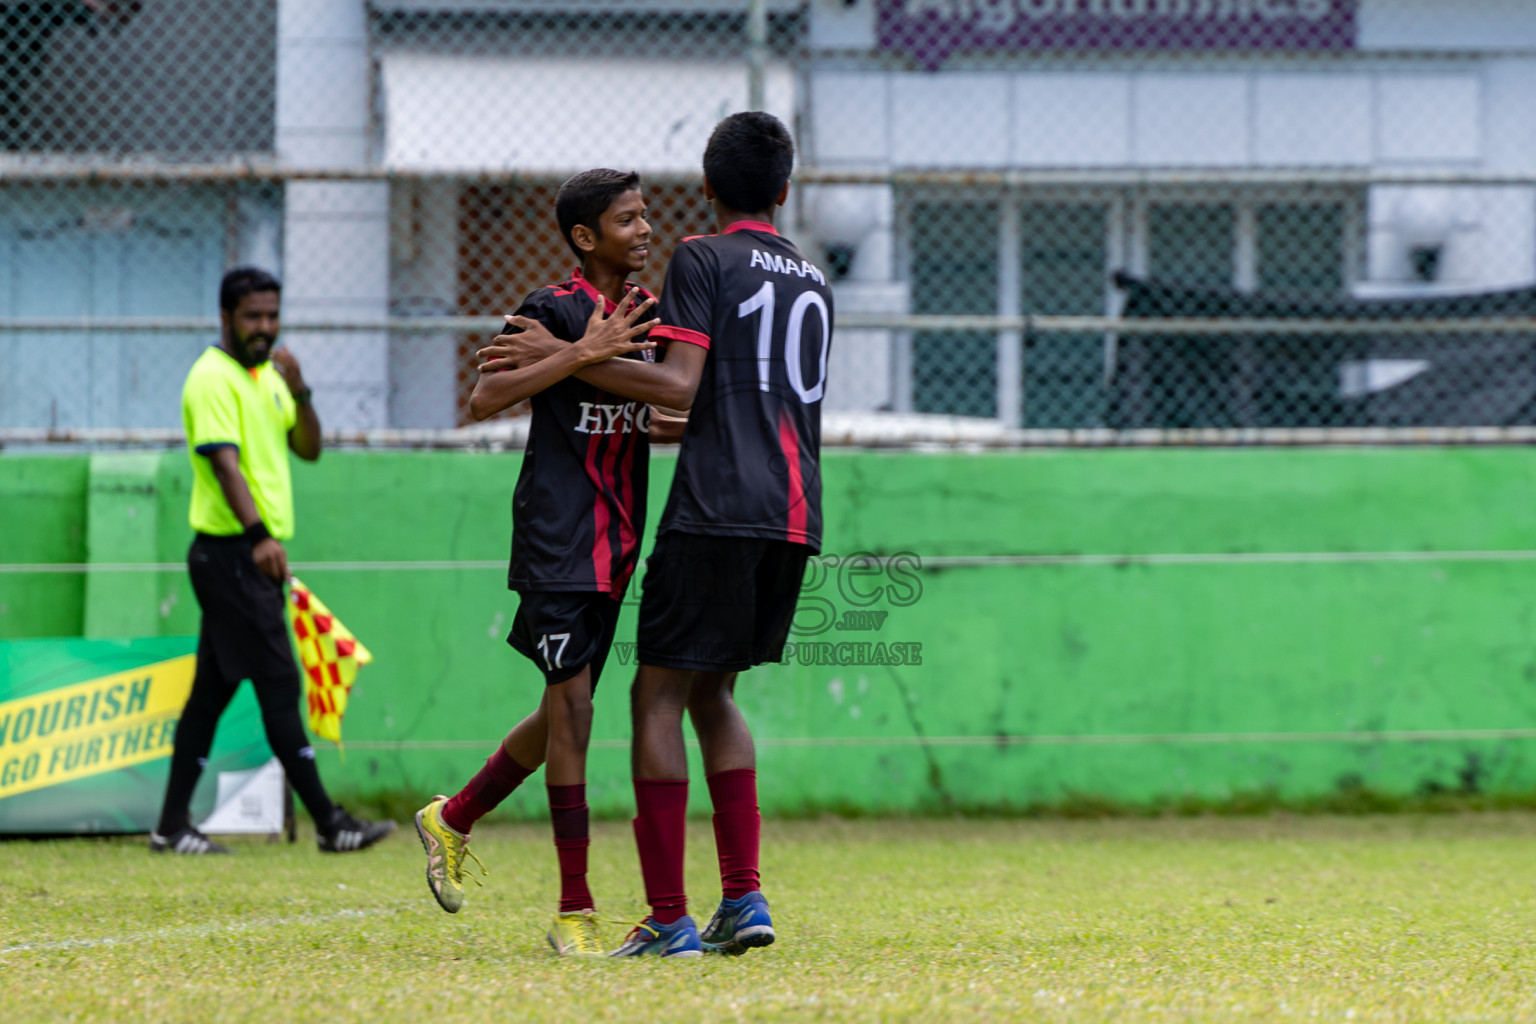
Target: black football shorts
{"x":245,"y":618}
{"x":718,"y":604}
{"x":564,"y":631}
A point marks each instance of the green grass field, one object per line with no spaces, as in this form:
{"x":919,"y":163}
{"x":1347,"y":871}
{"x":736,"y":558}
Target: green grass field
{"x":1391,"y":918}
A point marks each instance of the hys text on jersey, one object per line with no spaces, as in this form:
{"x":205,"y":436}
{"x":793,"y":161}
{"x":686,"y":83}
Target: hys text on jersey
{"x":779,"y":265}
{"x":625,"y":418}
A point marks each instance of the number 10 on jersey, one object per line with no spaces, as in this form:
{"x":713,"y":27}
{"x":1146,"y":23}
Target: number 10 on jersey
{"x":764,"y":300}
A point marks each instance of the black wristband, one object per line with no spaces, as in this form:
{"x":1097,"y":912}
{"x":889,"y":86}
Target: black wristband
{"x":257,"y":532}
{"x":301,"y":397}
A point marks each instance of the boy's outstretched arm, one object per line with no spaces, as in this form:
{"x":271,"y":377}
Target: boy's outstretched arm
{"x":517,"y":382}
{"x":671,"y":383}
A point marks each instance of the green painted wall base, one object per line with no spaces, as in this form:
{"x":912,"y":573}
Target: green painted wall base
{"x":1285,"y":621}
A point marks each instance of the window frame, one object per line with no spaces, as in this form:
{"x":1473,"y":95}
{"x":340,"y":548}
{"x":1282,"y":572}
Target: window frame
{"x":1126,"y":247}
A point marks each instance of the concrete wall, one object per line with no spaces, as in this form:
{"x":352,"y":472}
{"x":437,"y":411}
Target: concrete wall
{"x":1286,"y":620}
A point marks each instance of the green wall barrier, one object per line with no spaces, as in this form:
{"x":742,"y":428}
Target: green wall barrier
{"x":42,"y":520}
{"x":1135,"y":626}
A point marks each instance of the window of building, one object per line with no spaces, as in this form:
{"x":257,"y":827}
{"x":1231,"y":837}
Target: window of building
{"x":1192,"y":244}
{"x":1301,"y":248}
{"x":1047,"y":253}
{"x":954,"y":254}
{"x":1064,"y":257}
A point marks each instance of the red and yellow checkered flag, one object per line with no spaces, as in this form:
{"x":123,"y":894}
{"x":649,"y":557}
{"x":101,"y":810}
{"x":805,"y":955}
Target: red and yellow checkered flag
{"x":330,"y":655}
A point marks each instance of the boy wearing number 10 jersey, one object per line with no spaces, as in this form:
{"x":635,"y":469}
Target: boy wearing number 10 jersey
{"x":743,"y":515}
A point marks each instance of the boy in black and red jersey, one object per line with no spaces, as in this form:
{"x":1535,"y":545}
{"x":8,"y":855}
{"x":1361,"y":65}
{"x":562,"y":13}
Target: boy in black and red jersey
{"x":577,"y":514}
{"x":743,"y":516}
{"x":748,"y":322}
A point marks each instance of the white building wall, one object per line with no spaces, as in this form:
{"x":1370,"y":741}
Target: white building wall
{"x":1088,"y":117}
{"x":1432,"y":86}
{"x":1317,"y":118}
{"x":1509,"y":255}
{"x":1327,"y":116}
{"x":1488,"y":234}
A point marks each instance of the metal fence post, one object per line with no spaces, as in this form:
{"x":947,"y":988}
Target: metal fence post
{"x":757,"y":52}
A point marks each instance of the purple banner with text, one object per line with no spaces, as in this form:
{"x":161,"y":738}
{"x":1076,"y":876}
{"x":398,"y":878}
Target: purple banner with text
{"x":931,"y":30}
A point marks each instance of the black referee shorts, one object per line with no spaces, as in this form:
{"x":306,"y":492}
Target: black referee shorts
{"x":564,"y":631}
{"x":245,"y":621}
{"x":718,"y":604}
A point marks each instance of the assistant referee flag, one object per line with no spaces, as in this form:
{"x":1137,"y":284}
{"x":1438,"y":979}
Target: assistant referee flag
{"x":330,"y":655}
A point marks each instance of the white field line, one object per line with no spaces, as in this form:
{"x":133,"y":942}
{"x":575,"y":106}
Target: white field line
{"x":1006,"y":740}
{"x":196,"y":931}
{"x":43,"y":568}
{"x":1229,"y":558}
{"x":930,"y":562}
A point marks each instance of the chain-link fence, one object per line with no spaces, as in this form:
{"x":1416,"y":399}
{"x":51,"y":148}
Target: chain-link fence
{"x":1055,"y":220}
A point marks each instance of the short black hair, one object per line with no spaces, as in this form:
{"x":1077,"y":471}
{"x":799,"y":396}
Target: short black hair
{"x":243,"y":281}
{"x":748,"y":160}
{"x":586,"y":196}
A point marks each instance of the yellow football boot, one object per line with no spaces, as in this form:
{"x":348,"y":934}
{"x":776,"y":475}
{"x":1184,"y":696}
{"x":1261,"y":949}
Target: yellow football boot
{"x":575,"y":934}
{"x":446,"y":850}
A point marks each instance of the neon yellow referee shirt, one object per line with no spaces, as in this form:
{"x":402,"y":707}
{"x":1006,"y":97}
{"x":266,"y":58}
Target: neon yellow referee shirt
{"x":223,"y":403}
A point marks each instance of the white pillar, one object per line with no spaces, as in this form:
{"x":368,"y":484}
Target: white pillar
{"x":1010,"y":289}
{"x":863,"y":372}
{"x":335,"y":234}
{"x":1509,"y":214}
{"x":423,"y":381}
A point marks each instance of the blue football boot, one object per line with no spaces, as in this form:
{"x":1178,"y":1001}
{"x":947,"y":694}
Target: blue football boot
{"x":680,"y":938}
{"x":740,"y":924}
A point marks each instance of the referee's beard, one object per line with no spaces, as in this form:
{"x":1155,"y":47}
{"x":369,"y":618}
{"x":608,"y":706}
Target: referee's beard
{"x":251,"y":350}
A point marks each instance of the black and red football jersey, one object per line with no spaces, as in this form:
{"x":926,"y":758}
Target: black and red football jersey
{"x":750,"y":464}
{"x":579,"y":506}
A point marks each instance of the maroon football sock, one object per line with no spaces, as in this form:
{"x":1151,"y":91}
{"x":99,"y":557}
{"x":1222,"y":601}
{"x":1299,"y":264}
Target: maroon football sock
{"x":661,"y":819}
{"x":568,"y":815}
{"x":738,"y":830}
{"x":480,"y":795}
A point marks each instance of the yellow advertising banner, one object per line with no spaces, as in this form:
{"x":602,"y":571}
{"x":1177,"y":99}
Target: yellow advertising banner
{"x":100,"y":725}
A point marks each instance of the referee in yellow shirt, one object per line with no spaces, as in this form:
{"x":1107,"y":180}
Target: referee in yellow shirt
{"x":244,"y":405}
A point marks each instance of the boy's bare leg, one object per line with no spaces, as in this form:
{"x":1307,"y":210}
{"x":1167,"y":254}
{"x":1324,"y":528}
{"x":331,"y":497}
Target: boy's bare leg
{"x":724,"y":738}
{"x":657,"y":702}
{"x":567,"y":720}
{"x":529,"y":739}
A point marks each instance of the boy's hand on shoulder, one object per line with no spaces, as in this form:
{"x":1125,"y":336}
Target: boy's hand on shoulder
{"x":611,"y":336}
{"x":510,"y":351}
{"x":497,"y":357}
